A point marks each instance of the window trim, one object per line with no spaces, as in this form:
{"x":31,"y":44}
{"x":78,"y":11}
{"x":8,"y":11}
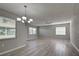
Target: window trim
{"x":60,"y":30}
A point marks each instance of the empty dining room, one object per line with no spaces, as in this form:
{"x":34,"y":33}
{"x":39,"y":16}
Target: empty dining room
{"x":39,"y":29}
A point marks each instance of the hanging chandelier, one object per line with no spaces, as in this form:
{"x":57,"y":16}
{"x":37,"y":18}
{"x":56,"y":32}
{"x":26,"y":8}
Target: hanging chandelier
{"x":25,"y":19}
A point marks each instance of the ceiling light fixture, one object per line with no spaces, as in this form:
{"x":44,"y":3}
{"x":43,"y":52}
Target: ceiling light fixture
{"x":28,"y":21}
{"x":18,"y":19}
{"x":31,"y":20}
{"x":25,"y":19}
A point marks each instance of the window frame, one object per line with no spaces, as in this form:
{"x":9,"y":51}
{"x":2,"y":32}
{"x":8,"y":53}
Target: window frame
{"x":32,"y":31}
{"x":60,"y":30}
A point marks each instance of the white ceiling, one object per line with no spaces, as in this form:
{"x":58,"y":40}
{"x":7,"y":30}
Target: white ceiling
{"x":42,"y":13}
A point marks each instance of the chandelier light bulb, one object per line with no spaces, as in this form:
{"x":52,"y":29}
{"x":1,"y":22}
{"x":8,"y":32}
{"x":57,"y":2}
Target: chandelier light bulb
{"x":22,"y":21}
{"x":18,"y":19}
{"x":24,"y":18}
{"x":31,"y":20}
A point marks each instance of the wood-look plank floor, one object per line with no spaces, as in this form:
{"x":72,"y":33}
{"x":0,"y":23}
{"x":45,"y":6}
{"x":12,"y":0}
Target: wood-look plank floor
{"x":48,"y":47}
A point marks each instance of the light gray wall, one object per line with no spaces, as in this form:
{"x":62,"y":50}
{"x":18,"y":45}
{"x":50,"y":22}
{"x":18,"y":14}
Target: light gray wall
{"x":75,"y":27}
{"x":21,"y":34}
{"x":6,"y":44}
{"x":49,"y":31}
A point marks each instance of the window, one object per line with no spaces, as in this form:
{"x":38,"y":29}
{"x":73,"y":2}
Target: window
{"x":10,"y":31}
{"x":60,"y":30}
{"x":32,"y":30}
{"x":7,"y":28}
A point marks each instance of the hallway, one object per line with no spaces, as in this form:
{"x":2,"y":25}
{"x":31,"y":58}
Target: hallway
{"x":48,"y":47}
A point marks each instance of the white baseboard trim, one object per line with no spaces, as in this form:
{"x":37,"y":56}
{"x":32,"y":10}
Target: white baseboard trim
{"x":2,"y":53}
{"x":75,"y":46}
